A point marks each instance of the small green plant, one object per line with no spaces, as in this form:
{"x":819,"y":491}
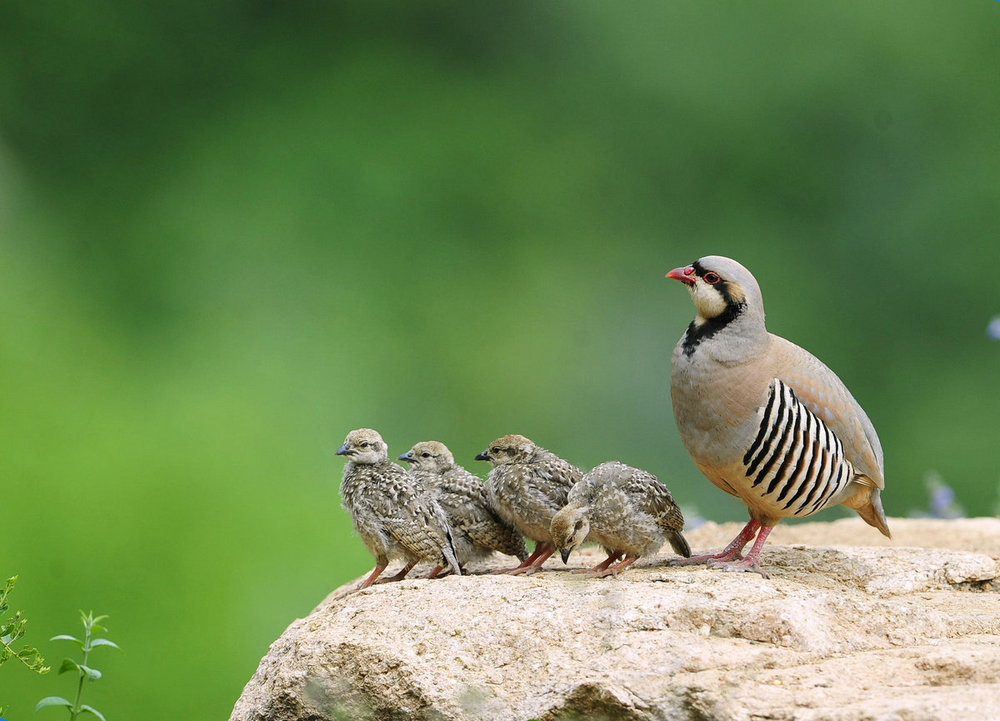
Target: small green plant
{"x":11,"y":630}
{"x":85,"y":672}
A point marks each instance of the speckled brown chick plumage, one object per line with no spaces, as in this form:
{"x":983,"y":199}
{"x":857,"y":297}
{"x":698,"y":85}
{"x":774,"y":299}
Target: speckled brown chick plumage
{"x":624,"y":509}
{"x":478,"y":531}
{"x":394,"y":517}
{"x":526,"y":487}
{"x":764,"y":419}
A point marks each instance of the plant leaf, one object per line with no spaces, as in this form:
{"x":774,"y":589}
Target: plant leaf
{"x":91,"y":709}
{"x":32,"y":658}
{"x":92,"y":622}
{"x":92,"y":673}
{"x":69,"y":664}
{"x":8,"y":587}
{"x":103,"y":642}
{"x":67,"y":637}
{"x":53,"y":701}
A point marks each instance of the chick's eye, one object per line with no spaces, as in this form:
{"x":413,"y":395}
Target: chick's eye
{"x":364,"y":444}
{"x":711,"y":278}
{"x":494,"y":450}
{"x":425,"y":454}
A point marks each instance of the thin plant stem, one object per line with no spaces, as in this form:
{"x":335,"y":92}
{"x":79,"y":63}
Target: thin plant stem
{"x":75,"y":711}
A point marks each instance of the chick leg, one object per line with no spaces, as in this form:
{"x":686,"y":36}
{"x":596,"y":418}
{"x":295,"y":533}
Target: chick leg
{"x":533,"y":562}
{"x":617,"y":568}
{"x":612,"y":557}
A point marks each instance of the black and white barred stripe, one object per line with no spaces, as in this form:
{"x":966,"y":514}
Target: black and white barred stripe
{"x":795,"y":457}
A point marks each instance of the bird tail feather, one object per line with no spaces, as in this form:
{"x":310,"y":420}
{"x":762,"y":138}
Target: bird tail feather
{"x":449,"y":555}
{"x":679,"y":544}
{"x":873,"y":514}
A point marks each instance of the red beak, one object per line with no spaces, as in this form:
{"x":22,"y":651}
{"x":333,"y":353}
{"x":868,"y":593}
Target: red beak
{"x":685,"y":275}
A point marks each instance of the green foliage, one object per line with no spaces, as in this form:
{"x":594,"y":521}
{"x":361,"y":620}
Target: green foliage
{"x":13,"y":629}
{"x":84,"y":672}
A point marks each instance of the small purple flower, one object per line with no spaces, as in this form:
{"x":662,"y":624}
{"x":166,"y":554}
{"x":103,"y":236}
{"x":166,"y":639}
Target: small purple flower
{"x":993,"y":329}
{"x":942,"y":499}
{"x":942,"y":503}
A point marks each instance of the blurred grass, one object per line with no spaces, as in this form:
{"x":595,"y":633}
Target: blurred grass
{"x":232,"y":232}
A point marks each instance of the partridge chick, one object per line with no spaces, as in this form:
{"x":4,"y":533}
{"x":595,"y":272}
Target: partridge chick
{"x":526,"y":487}
{"x":626,"y":510}
{"x":477,"y":530}
{"x":393,"y":515}
{"x":762,"y":418}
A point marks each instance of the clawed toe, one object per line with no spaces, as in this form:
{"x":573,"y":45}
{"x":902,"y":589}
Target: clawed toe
{"x":745,"y":566}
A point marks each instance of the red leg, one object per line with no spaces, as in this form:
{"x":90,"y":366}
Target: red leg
{"x":732,"y":552}
{"x":376,"y":572}
{"x":750,"y":562}
{"x":436,"y":572}
{"x":618,"y":567}
{"x":542,"y":558}
{"x":530,"y":561}
{"x":602,"y":565}
{"x":402,"y":573}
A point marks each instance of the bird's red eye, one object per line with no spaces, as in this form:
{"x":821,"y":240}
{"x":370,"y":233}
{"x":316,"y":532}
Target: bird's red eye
{"x":711,"y":278}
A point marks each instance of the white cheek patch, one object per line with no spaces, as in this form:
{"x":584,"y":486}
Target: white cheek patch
{"x":708,"y":302}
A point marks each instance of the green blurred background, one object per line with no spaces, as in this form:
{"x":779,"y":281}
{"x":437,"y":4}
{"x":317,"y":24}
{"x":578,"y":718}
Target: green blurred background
{"x":232,"y":231}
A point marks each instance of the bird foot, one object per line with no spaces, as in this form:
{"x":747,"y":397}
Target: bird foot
{"x":397,"y":577}
{"x":604,"y":572}
{"x":532,"y":563}
{"x":598,"y":572}
{"x":707,"y":558}
{"x":519,"y":571}
{"x":746,"y":565}
{"x":440,"y":572}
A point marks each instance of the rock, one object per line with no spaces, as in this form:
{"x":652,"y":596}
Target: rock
{"x":901,"y":630}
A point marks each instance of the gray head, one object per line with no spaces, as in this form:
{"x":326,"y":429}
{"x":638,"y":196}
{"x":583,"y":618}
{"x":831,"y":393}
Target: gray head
{"x":508,"y":449}
{"x":364,"y":446}
{"x":726,"y":296}
{"x":429,"y":456}
{"x":569,"y":529}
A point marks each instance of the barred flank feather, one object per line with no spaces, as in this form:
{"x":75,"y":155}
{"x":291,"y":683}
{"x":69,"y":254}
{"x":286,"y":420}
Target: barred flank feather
{"x":795,"y":456}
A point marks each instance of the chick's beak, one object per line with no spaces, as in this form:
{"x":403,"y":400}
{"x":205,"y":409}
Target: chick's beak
{"x":684,"y":274}
{"x":345,"y":450}
{"x":408,"y":456}
{"x":565,"y":555}
{"x":482,"y":457}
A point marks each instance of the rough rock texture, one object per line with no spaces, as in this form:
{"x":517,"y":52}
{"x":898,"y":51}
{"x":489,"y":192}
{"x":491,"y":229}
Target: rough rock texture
{"x":900,"y":630}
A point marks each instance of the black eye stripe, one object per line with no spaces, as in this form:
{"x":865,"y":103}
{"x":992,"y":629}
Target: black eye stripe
{"x":706,"y":275}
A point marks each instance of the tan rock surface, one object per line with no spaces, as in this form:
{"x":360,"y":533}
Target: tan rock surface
{"x":850,"y":627}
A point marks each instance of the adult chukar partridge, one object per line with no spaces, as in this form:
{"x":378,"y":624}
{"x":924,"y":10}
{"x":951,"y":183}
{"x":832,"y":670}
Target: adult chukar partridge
{"x":393,"y":514}
{"x":763,"y":419}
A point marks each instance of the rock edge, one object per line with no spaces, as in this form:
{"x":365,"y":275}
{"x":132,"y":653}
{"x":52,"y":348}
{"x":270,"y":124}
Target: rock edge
{"x":901,"y":630}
